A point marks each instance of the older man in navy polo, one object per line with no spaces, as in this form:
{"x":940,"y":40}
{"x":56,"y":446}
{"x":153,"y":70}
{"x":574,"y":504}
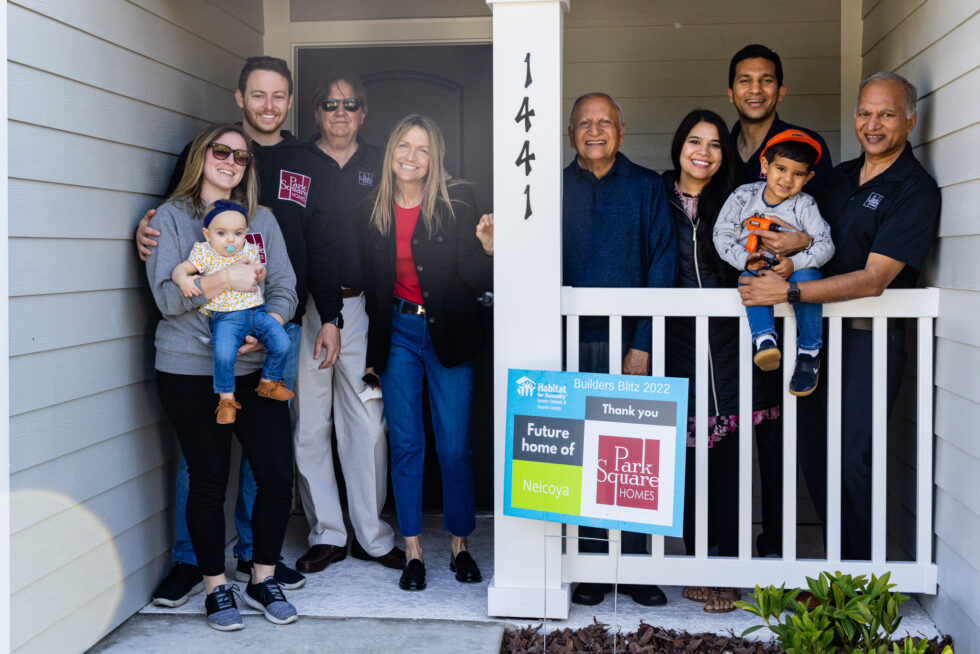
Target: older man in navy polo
{"x":883,"y":210}
{"x":617,"y":231}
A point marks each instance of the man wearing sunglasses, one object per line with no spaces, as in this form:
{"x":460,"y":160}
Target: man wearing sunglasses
{"x":295,"y":184}
{"x":342,"y":394}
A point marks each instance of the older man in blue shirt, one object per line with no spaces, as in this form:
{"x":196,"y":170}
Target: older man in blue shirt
{"x":617,"y":232}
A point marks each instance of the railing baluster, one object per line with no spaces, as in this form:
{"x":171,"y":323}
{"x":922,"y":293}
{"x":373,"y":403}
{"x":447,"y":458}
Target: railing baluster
{"x":745,"y":440}
{"x":571,"y":365}
{"x":879,"y":436}
{"x":571,"y":344}
{"x":658,"y":360}
{"x":701,"y":438}
{"x":834,"y":388}
{"x":615,"y":345}
{"x":789,"y":440}
{"x":923,"y":540}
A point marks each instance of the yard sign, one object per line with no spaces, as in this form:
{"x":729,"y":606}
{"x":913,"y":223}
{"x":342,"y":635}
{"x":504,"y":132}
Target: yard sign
{"x":596,"y":450}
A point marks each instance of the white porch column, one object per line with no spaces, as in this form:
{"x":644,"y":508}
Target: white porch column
{"x":528,"y":127}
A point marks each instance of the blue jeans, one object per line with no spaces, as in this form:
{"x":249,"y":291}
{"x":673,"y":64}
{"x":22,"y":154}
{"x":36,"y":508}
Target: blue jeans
{"x":809,"y":316}
{"x":412,"y":358}
{"x":228,"y":332}
{"x":183,"y":550}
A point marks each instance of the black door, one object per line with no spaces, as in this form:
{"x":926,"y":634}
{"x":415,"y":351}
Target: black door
{"x":453,"y":85}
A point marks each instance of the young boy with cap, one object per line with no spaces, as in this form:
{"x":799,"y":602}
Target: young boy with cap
{"x":776,"y":204}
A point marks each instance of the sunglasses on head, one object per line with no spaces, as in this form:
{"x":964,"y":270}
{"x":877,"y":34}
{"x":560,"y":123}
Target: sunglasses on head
{"x":350,"y":104}
{"x":221,"y":152}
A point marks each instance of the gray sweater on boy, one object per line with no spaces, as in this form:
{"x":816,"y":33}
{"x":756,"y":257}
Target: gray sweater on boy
{"x":183,"y":338}
{"x":800,"y":211}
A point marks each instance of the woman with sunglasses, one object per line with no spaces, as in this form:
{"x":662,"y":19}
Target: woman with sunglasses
{"x":428,"y":258}
{"x":220,"y":168}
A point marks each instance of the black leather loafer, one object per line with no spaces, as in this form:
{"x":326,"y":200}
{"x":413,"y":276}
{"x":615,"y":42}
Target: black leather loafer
{"x":645,"y":595}
{"x":413,"y":576}
{"x":588,"y":594}
{"x":465,"y":568}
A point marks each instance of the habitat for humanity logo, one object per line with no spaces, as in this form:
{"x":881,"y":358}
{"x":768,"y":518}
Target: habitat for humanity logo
{"x":525,"y":387}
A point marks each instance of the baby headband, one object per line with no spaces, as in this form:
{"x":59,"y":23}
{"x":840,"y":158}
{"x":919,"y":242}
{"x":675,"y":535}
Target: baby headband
{"x":793,"y":135}
{"x":222,"y":206}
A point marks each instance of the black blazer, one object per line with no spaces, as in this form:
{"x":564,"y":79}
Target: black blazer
{"x":452,"y":270}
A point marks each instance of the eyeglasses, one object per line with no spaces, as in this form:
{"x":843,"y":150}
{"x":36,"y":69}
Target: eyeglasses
{"x":221,"y":152}
{"x":350,"y":104}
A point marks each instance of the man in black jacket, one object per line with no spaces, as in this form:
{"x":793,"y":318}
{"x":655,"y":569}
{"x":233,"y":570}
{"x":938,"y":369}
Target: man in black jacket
{"x":295,"y":184}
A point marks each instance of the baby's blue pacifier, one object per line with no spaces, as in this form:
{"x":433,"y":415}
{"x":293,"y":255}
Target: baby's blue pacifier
{"x":230,"y":249}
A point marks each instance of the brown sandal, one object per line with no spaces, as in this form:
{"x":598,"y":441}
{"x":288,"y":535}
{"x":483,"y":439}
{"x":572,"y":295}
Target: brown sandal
{"x":696,"y":593}
{"x":721,"y":600}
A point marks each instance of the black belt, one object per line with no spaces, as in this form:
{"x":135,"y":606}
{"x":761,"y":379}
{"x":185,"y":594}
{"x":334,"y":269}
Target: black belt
{"x":404,"y":306}
{"x":350,"y":292}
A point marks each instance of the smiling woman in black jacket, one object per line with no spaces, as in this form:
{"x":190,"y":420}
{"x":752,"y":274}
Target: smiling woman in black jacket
{"x":701,"y":180}
{"x":428,"y":258}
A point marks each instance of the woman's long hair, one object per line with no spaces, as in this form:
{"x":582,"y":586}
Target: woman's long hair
{"x":435,"y":195}
{"x":246,"y":193}
{"x":714,"y":194}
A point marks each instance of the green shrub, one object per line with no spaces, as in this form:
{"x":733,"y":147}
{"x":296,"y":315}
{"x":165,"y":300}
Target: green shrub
{"x":852,"y":615}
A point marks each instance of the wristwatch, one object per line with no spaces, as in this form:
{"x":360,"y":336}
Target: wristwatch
{"x":793,"y":293}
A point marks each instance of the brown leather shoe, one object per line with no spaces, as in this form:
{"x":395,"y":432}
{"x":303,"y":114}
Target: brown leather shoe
{"x":227,"y":411}
{"x":394,"y":559}
{"x":273,"y":390}
{"x":319,"y":557}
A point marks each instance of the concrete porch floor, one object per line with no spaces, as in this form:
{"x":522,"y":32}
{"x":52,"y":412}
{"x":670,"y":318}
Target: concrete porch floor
{"x":358,"y":607}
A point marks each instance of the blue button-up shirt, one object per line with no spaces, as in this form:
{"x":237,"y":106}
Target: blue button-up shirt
{"x":617,"y":232}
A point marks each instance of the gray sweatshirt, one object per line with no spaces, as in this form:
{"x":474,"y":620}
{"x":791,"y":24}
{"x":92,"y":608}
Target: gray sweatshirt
{"x":183,"y":338}
{"x":800,"y":211}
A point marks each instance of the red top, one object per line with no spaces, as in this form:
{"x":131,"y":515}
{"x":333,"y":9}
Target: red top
{"x":406,"y":280}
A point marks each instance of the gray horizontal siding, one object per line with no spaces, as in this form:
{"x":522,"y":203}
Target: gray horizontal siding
{"x":103,"y":94}
{"x":934,"y":44}
{"x":661,"y":59}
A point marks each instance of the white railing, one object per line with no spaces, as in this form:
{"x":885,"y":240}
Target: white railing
{"x":745,"y":571}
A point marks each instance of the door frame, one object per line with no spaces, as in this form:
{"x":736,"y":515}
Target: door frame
{"x":283,"y":38}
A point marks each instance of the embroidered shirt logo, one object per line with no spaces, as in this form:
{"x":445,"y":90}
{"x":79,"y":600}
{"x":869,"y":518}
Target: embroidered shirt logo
{"x":365,"y":179}
{"x":874,"y":199}
{"x":255,"y":238}
{"x":294,"y":187}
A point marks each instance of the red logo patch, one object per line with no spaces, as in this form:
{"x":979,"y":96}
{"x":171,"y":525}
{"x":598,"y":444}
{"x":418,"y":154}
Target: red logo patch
{"x":255,"y":238}
{"x":294,"y":187}
{"x":628,"y":473}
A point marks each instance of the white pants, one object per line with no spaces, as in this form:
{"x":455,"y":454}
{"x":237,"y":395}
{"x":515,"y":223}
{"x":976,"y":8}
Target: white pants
{"x":338,"y":393}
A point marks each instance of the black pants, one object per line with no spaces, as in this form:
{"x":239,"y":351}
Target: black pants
{"x":263,"y":430}
{"x":855,"y":435}
{"x":769,"y":449}
{"x":722,"y":497}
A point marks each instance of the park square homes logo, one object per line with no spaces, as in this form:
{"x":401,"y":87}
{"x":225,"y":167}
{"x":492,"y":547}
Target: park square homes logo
{"x":294,"y":187}
{"x":525,"y":387}
{"x":628,"y":472}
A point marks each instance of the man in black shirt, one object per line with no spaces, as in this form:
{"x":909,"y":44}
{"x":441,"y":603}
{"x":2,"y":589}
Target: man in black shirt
{"x":755,"y":89}
{"x":342,"y":393}
{"x":883,"y":209}
{"x":295,"y":185}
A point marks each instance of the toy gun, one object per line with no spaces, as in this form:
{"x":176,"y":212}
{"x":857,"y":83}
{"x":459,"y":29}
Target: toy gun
{"x":759,"y":221}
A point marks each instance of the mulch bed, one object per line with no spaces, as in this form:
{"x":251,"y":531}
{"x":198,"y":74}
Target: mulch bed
{"x":596,"y":639}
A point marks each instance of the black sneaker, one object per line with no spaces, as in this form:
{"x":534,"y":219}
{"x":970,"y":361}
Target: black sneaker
{"x":268,"y":598}
{"x":767,"y":356}
{"x":181,"y":582}
{"x":286,"y":577}
{"x":222,"y":611}
{"x":805,"y":377}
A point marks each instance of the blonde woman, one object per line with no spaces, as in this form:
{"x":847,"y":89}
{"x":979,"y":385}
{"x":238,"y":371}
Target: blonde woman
{"x":428,"y":258}
{"x":220,"y":167}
